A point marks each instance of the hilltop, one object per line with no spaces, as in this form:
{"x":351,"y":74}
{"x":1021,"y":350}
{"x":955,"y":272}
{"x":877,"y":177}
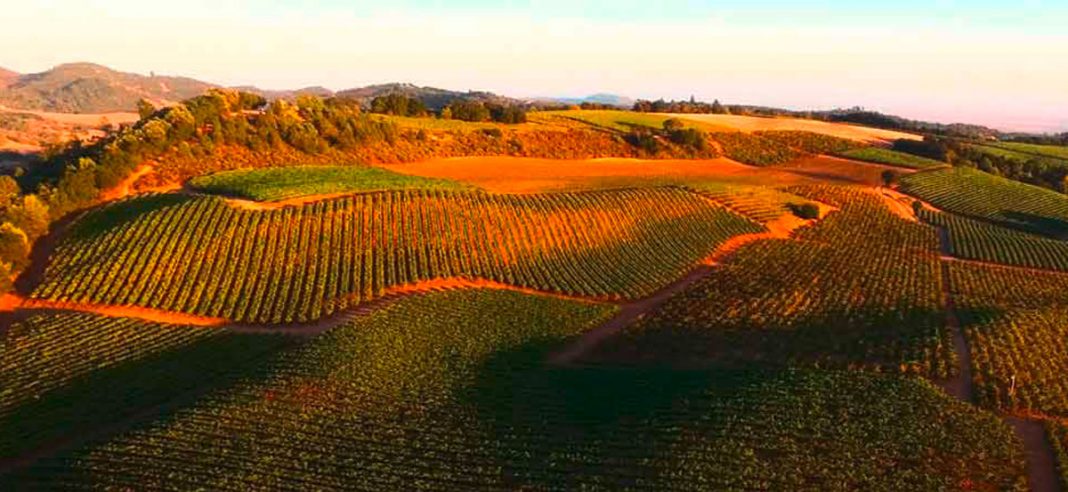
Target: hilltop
{"x":90,"y":88}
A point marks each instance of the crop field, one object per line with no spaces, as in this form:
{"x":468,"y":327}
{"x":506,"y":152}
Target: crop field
{"x":1016,"y":322}
{"x":1058,"y":435}
{"x":984,"y":196}
{"x":449,"y":393}
{"x":881,"y":155}
{"x":983,"y":241}
{"x":66,"y":372}
{"x":201,"y":256}
{"x":754,"y":150}
{"x":860,"y":289}
{"x":812,"y":143}
{"x":278,"y":183}
{"x":1054,"y":151}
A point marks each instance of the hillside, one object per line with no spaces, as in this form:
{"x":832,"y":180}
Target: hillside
{"x":90,"y":88}
{"x":7,"y":77}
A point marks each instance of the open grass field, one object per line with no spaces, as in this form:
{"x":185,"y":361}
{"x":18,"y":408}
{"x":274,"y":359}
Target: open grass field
{"x":751,"y":124}
{"x":202,"y":256}
{"x":983,"y":196}
{"x":279,"y":183}
{"x":449,"y":393}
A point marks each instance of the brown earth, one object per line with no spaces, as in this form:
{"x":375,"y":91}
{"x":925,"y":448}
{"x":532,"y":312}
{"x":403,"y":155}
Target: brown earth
{"x":532,"y":175}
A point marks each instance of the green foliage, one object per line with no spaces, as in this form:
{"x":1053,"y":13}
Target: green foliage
{"x":983,"y":196}
{"x":806,"y":211}
{"x":447,"y":392}
{"x":301,"y":263}
{"x":889,"y":177}
{"x":880,"y":155}
{"x":66,"y":373}
{"x":860,"y":289}
{"x":398,"y":105}
{"x":978,"y":240}
{"x":1054,"y":151}
{"x":145,"y":109}
{"x":466,"y":110}
{"x":278,"y":183}
{"x":1016,"y":322}
{"x":14,"y":245}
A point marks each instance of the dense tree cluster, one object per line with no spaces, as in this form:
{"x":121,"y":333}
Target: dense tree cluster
{"x":398,"y":105}
{"x":478,"y":111}
{"x":692,"y":107}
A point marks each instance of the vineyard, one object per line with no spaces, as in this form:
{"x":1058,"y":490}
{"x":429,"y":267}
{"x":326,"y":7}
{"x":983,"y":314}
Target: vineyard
{"x":448,"y":392}
{"x":860,"y":289}
{"x":812,"y":143}
{"x":61,"y":372}
{"x":879,"y":155}
{"x":754,"y":149}
{"x":983,"y":241}
{"x":1016,"y":322}
{"x":1058,"y":434}
{"x":201,"y":256}
{"x":278,"y":183}
{"x":984,"y":196}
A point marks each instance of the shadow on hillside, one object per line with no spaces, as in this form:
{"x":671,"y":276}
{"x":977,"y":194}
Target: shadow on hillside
{"x":559,"y":428}
{"x":106,"y":402}
{"x":1046,"y":226}
{"x":873,"y":338}
{"x":111,"y":216}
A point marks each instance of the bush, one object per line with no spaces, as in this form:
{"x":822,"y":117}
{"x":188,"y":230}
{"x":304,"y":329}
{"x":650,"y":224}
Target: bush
{"x":805,"y":211}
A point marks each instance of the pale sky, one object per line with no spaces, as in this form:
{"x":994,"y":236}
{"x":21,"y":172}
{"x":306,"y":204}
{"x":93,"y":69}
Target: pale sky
{"x":1002,"y":64}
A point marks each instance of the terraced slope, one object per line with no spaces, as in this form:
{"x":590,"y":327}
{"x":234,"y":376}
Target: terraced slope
{"x":447,"y":392}
{"x":201,"y":256}
{"x":983,"y":241}
{"x":984,"y":196}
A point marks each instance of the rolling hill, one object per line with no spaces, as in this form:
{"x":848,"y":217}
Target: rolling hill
{"x":90,"y":88}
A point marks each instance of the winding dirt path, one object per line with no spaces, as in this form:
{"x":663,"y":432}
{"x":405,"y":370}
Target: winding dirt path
{"x":1041,"y":464}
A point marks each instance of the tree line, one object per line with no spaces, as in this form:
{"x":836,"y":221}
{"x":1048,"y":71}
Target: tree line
{"x":460,"y":109}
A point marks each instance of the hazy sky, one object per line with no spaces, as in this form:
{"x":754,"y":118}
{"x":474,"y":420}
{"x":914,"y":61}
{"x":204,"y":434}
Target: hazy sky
{"x":1003,"y":64}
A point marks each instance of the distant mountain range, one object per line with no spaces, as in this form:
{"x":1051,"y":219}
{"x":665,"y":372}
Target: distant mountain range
{"x":608,"y":99}
{"x":90,"y":88}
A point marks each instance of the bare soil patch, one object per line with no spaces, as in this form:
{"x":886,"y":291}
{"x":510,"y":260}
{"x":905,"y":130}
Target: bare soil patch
{"x":533,"y":175}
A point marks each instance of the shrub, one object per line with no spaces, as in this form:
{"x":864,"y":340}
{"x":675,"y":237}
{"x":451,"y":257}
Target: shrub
{"x":805,"y":210}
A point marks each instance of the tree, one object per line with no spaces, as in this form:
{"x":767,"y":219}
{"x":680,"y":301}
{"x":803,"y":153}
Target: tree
{"x":718,"y":108}
{"x":145,"y":109}
{"x":14,"y":245}
{"x":807,"y":211}
{"x":889,"y":177}
{"x":673,"y":124}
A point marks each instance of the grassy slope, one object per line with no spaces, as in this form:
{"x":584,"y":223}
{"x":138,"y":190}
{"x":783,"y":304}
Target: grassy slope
{"x":279,"y":183}
{"x":449,"y":393}
{"x":1055,"y":151}
{"x":880,"y":155}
